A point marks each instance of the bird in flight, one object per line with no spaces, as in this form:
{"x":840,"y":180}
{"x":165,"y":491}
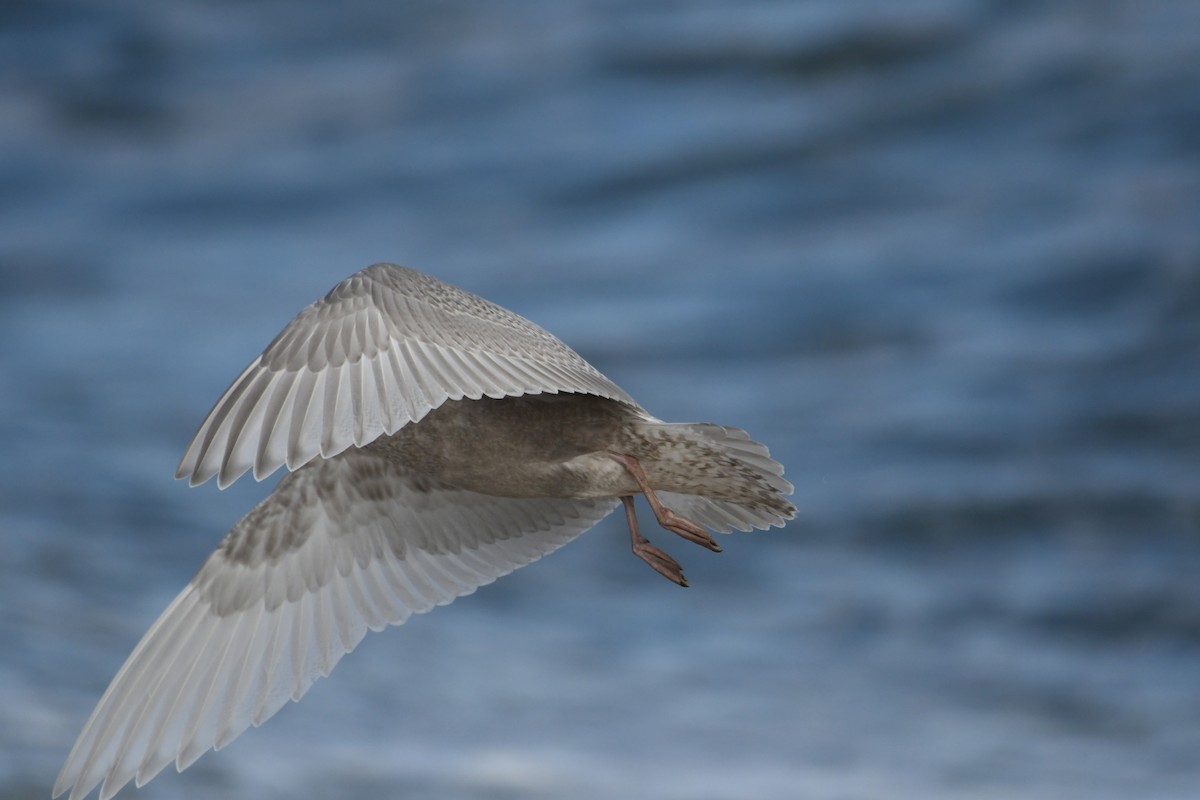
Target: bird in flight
{"x":434,"y":442}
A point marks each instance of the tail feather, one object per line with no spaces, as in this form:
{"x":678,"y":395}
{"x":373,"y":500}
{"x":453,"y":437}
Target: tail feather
{"x":716,"y":476}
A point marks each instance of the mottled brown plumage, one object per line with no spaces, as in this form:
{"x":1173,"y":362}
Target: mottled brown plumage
{"x":434,"y":442}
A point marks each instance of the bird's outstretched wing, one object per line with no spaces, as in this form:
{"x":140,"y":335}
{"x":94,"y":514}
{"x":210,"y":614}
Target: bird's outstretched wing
{"x":382,"y":349}
{"x":340,"y":546}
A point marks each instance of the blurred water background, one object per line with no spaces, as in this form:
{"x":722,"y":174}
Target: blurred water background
{"x":942,"y":255}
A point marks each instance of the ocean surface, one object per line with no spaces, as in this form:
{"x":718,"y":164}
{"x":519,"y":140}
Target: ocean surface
{"x":943,"y":256}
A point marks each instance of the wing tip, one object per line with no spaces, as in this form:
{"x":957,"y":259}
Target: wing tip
{"x":61,"y":784}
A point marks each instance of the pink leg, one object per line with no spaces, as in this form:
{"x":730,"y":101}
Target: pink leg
{"x":659,"y":561}
{"x":666,"y":517}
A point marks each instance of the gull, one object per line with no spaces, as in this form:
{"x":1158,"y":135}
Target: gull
{"x":434,"y":442}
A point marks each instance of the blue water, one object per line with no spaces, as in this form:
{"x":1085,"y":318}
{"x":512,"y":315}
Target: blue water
{"x":942,"y":256}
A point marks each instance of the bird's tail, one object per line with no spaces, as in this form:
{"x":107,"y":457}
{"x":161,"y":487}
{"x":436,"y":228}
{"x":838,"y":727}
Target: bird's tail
{"x":722,"y":478}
